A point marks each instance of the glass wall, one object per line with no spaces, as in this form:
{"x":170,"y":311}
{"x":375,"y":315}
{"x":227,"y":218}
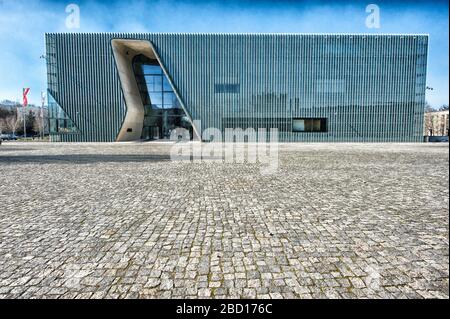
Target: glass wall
{"x":59,"y":122}
{"x":163,"y":112}
{"x":369,"y":88}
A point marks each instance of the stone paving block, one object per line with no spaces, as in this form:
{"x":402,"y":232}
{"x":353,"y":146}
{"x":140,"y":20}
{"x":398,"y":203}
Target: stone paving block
{"x":123,"y":221}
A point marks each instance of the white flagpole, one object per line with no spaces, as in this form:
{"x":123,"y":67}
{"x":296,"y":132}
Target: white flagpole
{"x":42,"y":114}
{"x":24,"y":118}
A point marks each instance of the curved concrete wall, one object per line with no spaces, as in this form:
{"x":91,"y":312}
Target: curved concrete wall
{"x":124,"y":52}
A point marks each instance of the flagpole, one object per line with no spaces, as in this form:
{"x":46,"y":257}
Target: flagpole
{"x":24,"y":123}
{"x":42,"y":115}
{"x":25,"y":103}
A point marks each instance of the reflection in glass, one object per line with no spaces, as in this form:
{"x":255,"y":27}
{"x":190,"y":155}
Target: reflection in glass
{"x":59,"y":122}
{"x":163,"y":112}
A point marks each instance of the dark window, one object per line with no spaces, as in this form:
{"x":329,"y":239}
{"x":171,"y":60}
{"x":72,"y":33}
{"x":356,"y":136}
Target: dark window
{"x":309,"y":125}
{"x":226,"y":88}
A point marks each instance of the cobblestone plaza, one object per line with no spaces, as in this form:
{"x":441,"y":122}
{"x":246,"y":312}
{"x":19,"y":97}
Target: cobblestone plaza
{"x":124,"y":221}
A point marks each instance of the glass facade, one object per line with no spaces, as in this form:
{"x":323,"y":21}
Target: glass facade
{"x":312,"y":87}
{"x":59,"y":122}
{"x":163,"y":112}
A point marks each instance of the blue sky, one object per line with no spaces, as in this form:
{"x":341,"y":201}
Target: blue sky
{"x":24,"y":22}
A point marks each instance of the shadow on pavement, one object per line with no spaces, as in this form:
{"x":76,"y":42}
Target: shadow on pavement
{"x":83,"y":158}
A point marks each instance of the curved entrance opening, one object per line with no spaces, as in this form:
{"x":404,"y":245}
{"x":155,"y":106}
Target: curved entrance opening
{"x":154,"y":108}
{"x":163,"y":113}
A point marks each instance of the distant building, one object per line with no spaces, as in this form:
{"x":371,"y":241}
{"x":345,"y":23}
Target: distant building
{"x":436,"y":123}
{"x":311,"y":87}
{"x":17,"y":107}
{"x":7,"y":104}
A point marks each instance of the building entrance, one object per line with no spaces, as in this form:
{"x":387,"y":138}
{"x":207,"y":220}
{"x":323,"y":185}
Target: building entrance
{"x":163,"y":111}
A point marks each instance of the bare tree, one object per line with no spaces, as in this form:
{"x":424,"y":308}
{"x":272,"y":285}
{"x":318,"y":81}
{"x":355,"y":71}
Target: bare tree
{"x":13,"y":122}
{"x":4,"y":114}
{"x":3,"y":125}
{"x":39,"y":124}
{"x":428,"y":120}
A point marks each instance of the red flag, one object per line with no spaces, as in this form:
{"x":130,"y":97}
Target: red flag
{"x":25,"y":99}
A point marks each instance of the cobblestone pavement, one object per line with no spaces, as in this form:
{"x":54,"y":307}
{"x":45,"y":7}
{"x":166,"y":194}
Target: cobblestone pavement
{"x":123,"y":221}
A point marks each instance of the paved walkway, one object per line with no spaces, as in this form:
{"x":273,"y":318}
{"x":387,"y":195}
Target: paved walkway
{"x":123,"y":221}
